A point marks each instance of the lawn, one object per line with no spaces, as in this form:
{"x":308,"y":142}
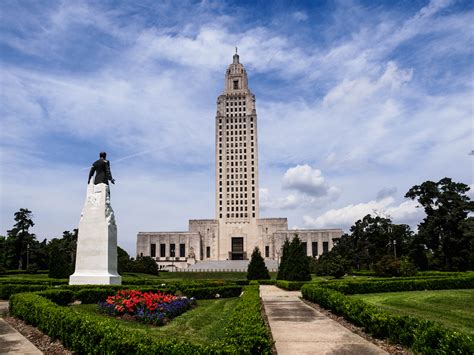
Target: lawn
{"x":453,"y":308}
{"x":201,"y":325}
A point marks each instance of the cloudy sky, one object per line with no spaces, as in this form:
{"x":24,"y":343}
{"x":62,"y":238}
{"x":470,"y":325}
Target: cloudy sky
{"x":356,"y":102}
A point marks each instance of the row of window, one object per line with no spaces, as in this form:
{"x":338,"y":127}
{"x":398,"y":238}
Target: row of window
{"x":235,"y":103}
{"x":172,"y":250}
{"x":237,"y":215}
{"x":236,"y":120}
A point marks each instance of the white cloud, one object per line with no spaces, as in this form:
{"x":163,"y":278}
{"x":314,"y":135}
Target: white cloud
{"x":406,"y":212}
{"x":300,"y":16}
{"x":308,"y":181}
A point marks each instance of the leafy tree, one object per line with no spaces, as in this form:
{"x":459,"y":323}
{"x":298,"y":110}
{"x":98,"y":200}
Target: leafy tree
{"x":388,"y":265}
{"x":257,"y":270}
{"x":19,"y":239}
{"x":331,"y":264}
{"x":59,"y":268}
{"x":283,"y":261}
{"x":145,"y":265}
{"x":297,"y":265}
{"x":447,"y":206}
{"x":123,"y":261}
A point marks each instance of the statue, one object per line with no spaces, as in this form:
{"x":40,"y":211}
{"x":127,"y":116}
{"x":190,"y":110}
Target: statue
{"x":96,"y":256}
{"x":101,"y":168}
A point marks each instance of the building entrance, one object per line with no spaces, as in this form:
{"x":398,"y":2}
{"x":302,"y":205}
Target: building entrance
{"x":237,"y":252}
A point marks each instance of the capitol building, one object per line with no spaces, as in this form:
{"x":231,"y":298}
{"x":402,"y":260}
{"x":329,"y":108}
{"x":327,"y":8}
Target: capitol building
{"x":226,"y":242}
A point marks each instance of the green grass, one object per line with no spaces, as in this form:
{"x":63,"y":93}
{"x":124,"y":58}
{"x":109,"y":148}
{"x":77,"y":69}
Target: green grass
{"x":200,"y":325}
{"x":453,"y":308}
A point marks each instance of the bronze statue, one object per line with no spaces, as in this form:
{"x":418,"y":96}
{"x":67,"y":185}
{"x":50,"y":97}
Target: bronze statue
{"x":101,"y":168}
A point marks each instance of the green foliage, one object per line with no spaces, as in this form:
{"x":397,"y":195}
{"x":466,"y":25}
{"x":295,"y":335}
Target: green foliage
{"x":6,"y":290}
{"x":19,"y":240}
{"x":407,"y":268}
{"x":295,"y":264}
{"x":290,"y":285}
{"x":330,"y":264}
{"x":145,"y":265}
{"x":421,"y":335}
{"x":246,"y":328}
{"x":443,"y":230}
{"x":257,"y":270}
{"x":123,"y":261}
{"x":245,"y":331}
{"x":212,"y":292}
{"x":59,"y":268}
{"x":395,"y":285}
{"x":284,"y":260}
{"x":60,"y":297}
{"x":388,"y":265}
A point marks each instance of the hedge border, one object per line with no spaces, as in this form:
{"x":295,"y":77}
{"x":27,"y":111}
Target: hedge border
{"x":421,"y":335}
{"x":245,"y":330}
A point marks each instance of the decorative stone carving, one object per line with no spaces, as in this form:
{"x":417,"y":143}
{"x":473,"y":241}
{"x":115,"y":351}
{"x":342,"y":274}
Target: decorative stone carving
{"x":96,"y":257}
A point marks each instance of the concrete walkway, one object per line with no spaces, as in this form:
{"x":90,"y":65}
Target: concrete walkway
{"x":299,"y":329}
{"x":11,"y":341}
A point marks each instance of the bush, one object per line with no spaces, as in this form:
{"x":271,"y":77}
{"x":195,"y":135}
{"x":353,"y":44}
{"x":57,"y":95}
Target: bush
{"x":388,"y":265}
{"x":257,"y":270}
{"x":202,"y":293}
{"x":331,"y":264}
{"x":6,"y":290}
{"x":290,"y":285}
{"x":60,"y":297}
{"x":421,"y":335}
{"x":144,"y":264}
{"x":294,"y":265}
{"x":246,"y":328}
{"x":84,"y":333}
{"x":394,"y":285}
{"x":59,"y":268}
{"x":407,"y":268}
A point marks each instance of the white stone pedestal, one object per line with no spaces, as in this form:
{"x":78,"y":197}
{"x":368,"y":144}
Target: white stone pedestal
{"x":96,"y":256}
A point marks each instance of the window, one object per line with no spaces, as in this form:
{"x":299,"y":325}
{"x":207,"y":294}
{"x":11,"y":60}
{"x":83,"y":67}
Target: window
{"x":153,"y":250}
{"x":325,"y":247}
{"x":305,"y":247}
{"x":314,"y":247}
{"x":173,"y":250}
{"x":182,"y":250}
{"x":162,"y":250}
{"x":267,"y":251}
{"x":208,"y":252}
{"x":236,"y":84}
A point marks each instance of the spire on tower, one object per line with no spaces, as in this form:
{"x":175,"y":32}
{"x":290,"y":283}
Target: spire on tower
{"x":236,"y":57}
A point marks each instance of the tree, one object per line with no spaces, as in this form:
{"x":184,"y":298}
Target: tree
{"x":19,"y":240}
{"x":145,"y":265}
{"x":59,"y":268}
{"x":297,"y":264}
{"x":123,"y":261}
{"x":283,"y":262}
{"x":257,"y":270}
{"x":331,"y":264}
{"x":447,"y":206}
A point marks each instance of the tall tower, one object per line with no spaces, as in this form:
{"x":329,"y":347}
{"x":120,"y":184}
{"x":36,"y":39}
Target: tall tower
{"x":237,"y":207}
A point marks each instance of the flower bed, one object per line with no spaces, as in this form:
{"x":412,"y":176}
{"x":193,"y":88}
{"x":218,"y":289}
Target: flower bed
{"x":155,"y":308}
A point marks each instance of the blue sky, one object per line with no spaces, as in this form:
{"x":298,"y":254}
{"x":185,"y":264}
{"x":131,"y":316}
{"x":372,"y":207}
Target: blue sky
{"x":356,"y":102}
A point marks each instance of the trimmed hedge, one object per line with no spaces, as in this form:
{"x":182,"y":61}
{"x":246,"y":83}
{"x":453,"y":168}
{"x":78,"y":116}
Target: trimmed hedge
{"x":60,"y":297}
{"x":421,"y":335}
{"x":90,"y":334}
{"x":7,"y":290}
{"x":246,"y":328}
{"x":394,"y":285}
{"x":213,"y":292}
{"x":290,"y":285}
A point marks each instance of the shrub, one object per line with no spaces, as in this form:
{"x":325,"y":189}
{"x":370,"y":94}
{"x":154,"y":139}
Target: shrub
{"x":246,"y":328}
{"x":290,"y":285}
{"x":407,"y":268}
{"x":421,"y":335}
{"x":331,"y":264}
{"x":295,"y":265}
{"x":388,"y":265}
{"x":6,"y":290}
{"x":212,"y":292}
{"x":284,"y":261}
{"x":257,"y":270}
{"x":144,"y":264}
{"x":60,"y":297}
{"x":59,"y":268}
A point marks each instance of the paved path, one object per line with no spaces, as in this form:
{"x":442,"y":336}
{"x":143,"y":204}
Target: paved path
{"x":299,"y":329}
{"x":11,"y":341}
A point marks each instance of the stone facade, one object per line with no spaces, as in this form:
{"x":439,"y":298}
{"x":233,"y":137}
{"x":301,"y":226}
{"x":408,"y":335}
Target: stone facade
{"x":237,"y":229}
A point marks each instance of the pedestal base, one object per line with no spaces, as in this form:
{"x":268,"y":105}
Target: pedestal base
{"x":84,"y":279}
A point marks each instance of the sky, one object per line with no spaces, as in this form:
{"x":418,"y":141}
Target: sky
{"x":357,"y":101}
